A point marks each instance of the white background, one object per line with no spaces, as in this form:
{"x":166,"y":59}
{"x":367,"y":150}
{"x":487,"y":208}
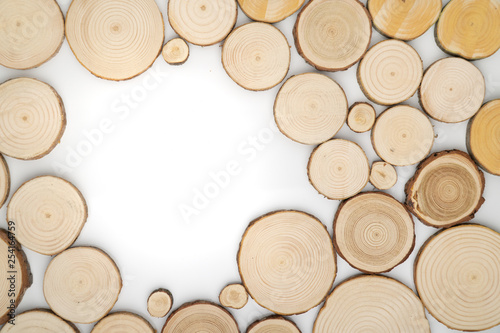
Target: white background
{"x":158,"y":154}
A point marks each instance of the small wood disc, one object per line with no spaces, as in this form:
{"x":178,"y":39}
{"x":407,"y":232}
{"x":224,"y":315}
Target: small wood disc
{"x":82,"y":284}
{"x":115,"y":39}
{"x":256,"y":56}
{"x":32,"y":118}
{"x":446,"y":189}
{"x":383,"y":175}
{"x":202,"y":22}
{"x":371,"y":303}
{"x":273,"y":324}
{"x":39,"y":320}
{"x":49,"y":213}
{"x":332,"y":35}
{"x":31,"y":33}
{"x":123,"y":322}
{"x":469,"y":29}
{"x":338,"y":169}
{"x":160,"y":302}
{"x":4,"y":181}
{"x":452,"y":90}
{"x":390,"y":72}
{"x":270,"y":11}
{"x":404,"y":20}
{"x":483,"y":137}
{"x":310,"y":108}
{"x":233,"y":296}
{"x":402,"y":135}
{"x":457,"y":274}
{"x":361,"y":117}
{"x":200,"y":316}
{"x":176,"y":51}
{"x":287,"y":262}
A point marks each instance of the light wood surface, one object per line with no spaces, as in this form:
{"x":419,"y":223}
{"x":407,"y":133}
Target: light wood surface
{"x":176,"y":51}
{"x":4,"y":181}
{"x":123,"y":322}
{"x":361,"y":117}
{"x":160,"y":303}
{"x":383,"y":175}
{"x":273,"y":324}
{"x":270,"y":11}
{"x":39,"y":321}
{"x":233,"y":296}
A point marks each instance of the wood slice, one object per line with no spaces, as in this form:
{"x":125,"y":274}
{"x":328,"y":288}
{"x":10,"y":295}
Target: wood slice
{"x":310,"y":108}
{"x":32,"y":118}
{"x":256,"y":56}
{"x":483,"y":138}
{"x":371,"y":303}
{"x":123,"y":322}
{"x":402,"y":135}
{"x":469,"y":29}
{"x":31,"y":33}
{"x":457,"y":273}
{"x":383,"y":175}
{"x":446,"y":189}
{"x":4,"y":181}
{"x":338,"y":169}
{"x":273,"y":324}
{"x":270,"y":11}
{"x":200,"y":316}
{"x":82,"y":284}
{"x":202,"y":22}
{"x":406,"y":19}
{"x":452,"y":90}
{"x":390,"y":72}
{"x":115,"y":39}
{"x":37,"y":321}
{"x":287,"y":262}
{"x":176,"y":51}
{"x":233,"y":296}
{"x":361,"y":117}
{"x":160,"y":302}
{"x":49,"y":213}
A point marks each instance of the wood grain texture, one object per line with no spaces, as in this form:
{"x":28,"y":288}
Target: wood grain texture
{"x":383,"y":175}
{"x":39,"y":321}
{"x":175,"y":51}
{"x":4,"y":181}
{"x":361,"y":117}
{"x":123,"y":322}
{"x":273,"y":324}
{"x":160,"y":303}
{"x":270,"y":11}
{"x":233,"y":296}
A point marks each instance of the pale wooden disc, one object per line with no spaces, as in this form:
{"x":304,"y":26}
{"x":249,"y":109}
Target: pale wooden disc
{"x":160,"y":302}
{"x":371,"y":303}
{"x":390,"y":72}
{"x":4,"y":181}
{"x":447,"y":189}
{"x":49,"y":213}
{"x":273,"y":324}
{"x":402,"y":135}
{"x":256,"y":56}
{"x":338,"y":169}
{"x":383,"y":175}
{"x":361,"y":117}
{"x":270,"y":11}
{"x":202,"y":22}
{"x":82,"y":284}
{"x":457,"y":274}
{"x":310,"y":108}
{"x":200,"y":316}
{"x":469,"y":29}
{"x":287,"y":262}
{"x":39,"y":321}
{"x":31,"y":33}
{"x":176,"y":51}
{"x":115,"y":39}
{"x":452,"y":90}
{"x":123,"y":322}
{"x":233,"y":296}
{"x":32,"y":118}
{"x":406,"y":19}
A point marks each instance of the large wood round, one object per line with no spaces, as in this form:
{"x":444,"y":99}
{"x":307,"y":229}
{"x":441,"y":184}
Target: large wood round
{"x":446,"y":189}
{"x":32,"y":118}
{"x":123,"y":322}
{"x":361,"y":117}
{"x":256,"y":56}
{"x":82,"y":284}
{"x":402,"y":135}
{"x":202,"y":22}
{"x":332,"y":35}
{"x":383,"y":175}
{"x":273,"y":324}
{"x":310,"y":108}
{"x":160,"y":302}
{"x":176,"y":51}
{"x":31,"y":33}
{"x":287,"y":262}
{"x":390,"y":72}
{"x":483,"y":137}
{"x":233,"y":296}
{"x":270,"y":11}
{"x":39,"y":321}
{"x":371,"y":303}
{"x":469,"y":29}
{"x":338,"y":169}
{"x":4,"y":181}
{"x":115,"y":39}
{"x":457,"y":274}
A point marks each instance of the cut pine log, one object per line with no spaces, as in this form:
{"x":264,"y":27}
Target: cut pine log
{"x":4,"y":181}
{"x":123,"y":322}
{"x":383,"y":175}
{"x":273,"y":324}
{"x":175,"y":51}
{"x":270,"y":11}
{"x":233,"y":296}
{"x":38,"y":321}
{"x":361,"y":117}
{"x":160,"y":302}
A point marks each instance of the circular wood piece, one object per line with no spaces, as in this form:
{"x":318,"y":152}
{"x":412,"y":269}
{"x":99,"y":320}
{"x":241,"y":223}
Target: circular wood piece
{"x":123,"y":322}
{"x":406,"y":19}
{"x":176,"y":51}
{"x":338,"y":169}
{"x":457,"y":273}
{"x":200,"y":317}
{"x":310,"y":108}
{"x":469,"y":29}
{"x":361,"y":117}
{"x":287,"y":262}
{"x":82,"y":284}
{"x":371,"y":303}
{"x":49,"y":213}
{"x":32,"y":118}
{"x":452,"y":90}
{"x":446,"y":189}
{"x":115,"y":39}
{"x":332,"y":35}
{"x":373,"y":232}
{"x":256,"y":56}
{"x":273,"y":324}
{"x":270,"y":11}
{"x":31,"y":33}
{"x":39,"y":320}
{"x":383,"y":175}
{"x":202,"y":22}
{"x":483,"y":137}
{"x":4,"y":181}
{"x":233,"y":296}
{"x":402,"y":135}
{"x":160,"y":302}
{"x":390,"y":72}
